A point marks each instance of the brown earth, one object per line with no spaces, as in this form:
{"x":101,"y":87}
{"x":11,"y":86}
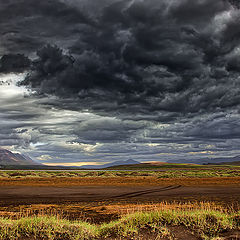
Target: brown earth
{"x":95,"y":191}
{"x":99,"y":200}
{"x":119,"y":181}
{"x":51,"y":194}
{"x":176,"y":233}
{"x":89,"y":197}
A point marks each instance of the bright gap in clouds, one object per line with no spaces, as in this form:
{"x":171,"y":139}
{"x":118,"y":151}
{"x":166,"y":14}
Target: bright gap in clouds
{"x":160,"y":80}
{"x":8,"y":86}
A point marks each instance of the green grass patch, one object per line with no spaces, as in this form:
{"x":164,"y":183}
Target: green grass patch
{"x":163,"y":173}
{"x":206,"y":224}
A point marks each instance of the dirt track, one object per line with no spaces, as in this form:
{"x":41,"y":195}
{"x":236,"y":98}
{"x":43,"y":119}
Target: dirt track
{"x":18,"y":195}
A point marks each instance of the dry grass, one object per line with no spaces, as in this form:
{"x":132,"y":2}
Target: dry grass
{"x":178,"y":171}
{"x":160,"y":221}
{"x":88,"y":212}
{"x":186,"y":177}
{"x":119,"y":181}
{"x":114,"y":219}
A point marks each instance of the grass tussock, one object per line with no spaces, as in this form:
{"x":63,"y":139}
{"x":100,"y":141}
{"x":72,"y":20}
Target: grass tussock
{"x":164,"y":173}
{"x":204,"y":222}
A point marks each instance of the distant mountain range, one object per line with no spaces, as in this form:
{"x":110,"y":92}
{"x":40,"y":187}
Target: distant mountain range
{"x":117,"y":163}
{"x":226,"y":160}
{"x":9,"y":158}
{"x":209,"y":160}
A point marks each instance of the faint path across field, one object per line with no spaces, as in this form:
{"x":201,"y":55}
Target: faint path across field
{"x":18,"y":195}
{"x":144,"y":192}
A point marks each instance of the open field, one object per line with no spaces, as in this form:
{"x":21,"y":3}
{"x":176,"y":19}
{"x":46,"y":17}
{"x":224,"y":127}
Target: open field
{"x":120,"y":181}
{"x":170,"y":166}
{"x":194,"y":203}
{"x":192,"y":175}
{"x":168,"y":221}
{"x":159,"y":171}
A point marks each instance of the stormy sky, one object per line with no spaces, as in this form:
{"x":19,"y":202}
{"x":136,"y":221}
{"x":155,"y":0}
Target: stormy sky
{"x":86,"y":81}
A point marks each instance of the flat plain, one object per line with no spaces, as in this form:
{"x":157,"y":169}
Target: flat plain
{"x":166,"y":202}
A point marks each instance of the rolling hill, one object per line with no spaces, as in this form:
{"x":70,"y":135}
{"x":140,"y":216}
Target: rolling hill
{"x":117,"y":163}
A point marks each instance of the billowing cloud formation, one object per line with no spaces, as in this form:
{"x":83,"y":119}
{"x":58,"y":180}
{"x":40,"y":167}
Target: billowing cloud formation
{"x":176,"y":56}
{"x":158,"y":76}
{"x":14,"y":63}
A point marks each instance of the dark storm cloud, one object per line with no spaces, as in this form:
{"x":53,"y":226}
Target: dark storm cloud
{"x":161,"y":72}
{"x":146,"y":56}
{"x":108,"y":130}
{"x":235,"y":3}
{"x":27,"y":25}
{"x":220,"y":127}
{"x":14,"y":63}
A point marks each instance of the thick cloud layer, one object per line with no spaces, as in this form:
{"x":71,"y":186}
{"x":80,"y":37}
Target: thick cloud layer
{"x":14,"y":63}
{"x":176,"y":56}
{"x":159,"y":74}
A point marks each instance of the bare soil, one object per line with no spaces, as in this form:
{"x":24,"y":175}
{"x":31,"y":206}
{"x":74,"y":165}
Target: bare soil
{"x":104,"y":203}
{"x":88,"y":194}
{"x":99,"y":200}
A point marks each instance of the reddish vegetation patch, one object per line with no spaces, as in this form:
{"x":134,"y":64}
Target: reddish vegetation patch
{"x":119,"y":181}
{"x":155,"y":163}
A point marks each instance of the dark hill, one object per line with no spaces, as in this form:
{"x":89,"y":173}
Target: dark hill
{"x":117,"y":163}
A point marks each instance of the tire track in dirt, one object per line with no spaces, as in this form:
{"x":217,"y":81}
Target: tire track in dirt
{"x":140,"y":193}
